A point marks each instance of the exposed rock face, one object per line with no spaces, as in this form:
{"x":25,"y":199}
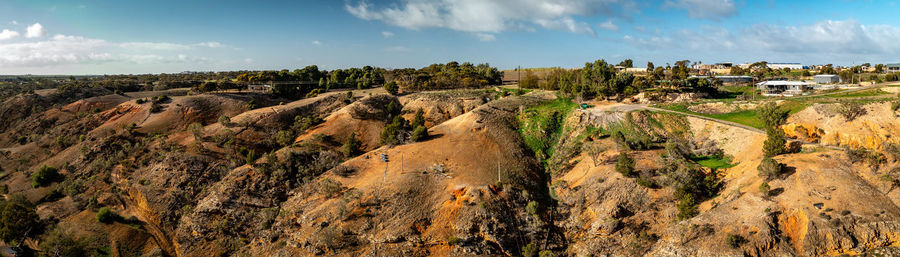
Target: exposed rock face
{"x":821,"y":123}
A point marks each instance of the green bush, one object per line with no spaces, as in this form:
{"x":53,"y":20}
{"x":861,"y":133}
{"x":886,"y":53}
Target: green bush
{"x":764,"y":188}
{"x":351,"y":146}
{"x":393,"y":132}
{"x":453,"y":240}
{"x":532,"y":208}
{"x":687,"y":208}
{"x":419,"y":133}
{"x":392,"y":88}
{"x":530,"y":250}
{"x":419,"y":119}
{"x":284,"y":138}
{"x":224,"y":120}
{"x":63,"y":244}
{"x":44,"y":176}
{"x":105,"y":215}
{"x":625,"y":165}
{"x":769,"y":168}
{"x":734,"y":240}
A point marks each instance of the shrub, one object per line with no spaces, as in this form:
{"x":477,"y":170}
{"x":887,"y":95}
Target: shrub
{"x":196,"y":129}
{"x":619,"y":138}
{"x":687,"y":208}
{"x":851,"y":110}
{"x":351,"y":146}
{"x":530,"y":250}
{"x":329,"y":188}
{"x":625,"y":165}
{"x":453,"y":240}
{"x":44,"y":176}
{"x":251,"y":156}
{"x":419,"y":133}
{"x":59,"y":243}
{"x":734,"y":240}
{"x":284,"y":138}
{"x":154,"y":108}
{"x":392,"y":88}
{"x":769,"y":168}
{"x":224,"y":120}
{"x":105,"y":215}
{"x":764,"y":188}
{"x":140,"y":101}
{"x":547,"y":253}
{"x":532,"y":208}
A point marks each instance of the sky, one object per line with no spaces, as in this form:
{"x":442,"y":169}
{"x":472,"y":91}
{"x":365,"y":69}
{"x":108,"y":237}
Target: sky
{"x":169,"y":36}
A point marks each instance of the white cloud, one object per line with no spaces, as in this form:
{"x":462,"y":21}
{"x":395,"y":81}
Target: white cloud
{"x":705,"y":9}
{"x":14,"y":22}
{"x":35,"y":30}
{"x":824,"y":41}
{"x":210,"y":44}
{"x":387,"y":34}
{"x":316,"y":42}
{"x":608,"y":25}
{"x":491,"y":16}
{"x":485,"y":37}
{"x":61,"y":50}
{"x":8,"y":34}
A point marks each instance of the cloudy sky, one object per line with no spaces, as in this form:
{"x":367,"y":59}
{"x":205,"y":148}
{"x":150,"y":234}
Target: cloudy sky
{"x":130,"y":37}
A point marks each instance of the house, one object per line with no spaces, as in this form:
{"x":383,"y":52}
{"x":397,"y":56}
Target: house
{"x":783,"y":87}
{"x":730,"y":79}
{"x":826,"y":79}
{"x":892,"y":67}
{"x":259,"y":88}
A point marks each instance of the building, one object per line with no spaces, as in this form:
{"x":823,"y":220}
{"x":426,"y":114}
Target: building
{"x":259,"y":88}
{"x":782,"y":65}
{"x":730,"y":79}
{"x":826,"y":79}
{"x":783,"y":87}
{"x":892,"y":67}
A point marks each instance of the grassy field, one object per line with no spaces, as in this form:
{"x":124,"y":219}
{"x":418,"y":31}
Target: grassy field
{"x":863,"y":93}
{"x":745,"y":117}
{"x":714,"y":162}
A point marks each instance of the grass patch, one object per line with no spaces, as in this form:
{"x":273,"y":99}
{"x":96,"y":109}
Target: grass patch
{"x":745,"y":117}
{"x":714,"y":162}
{"x":863,"y":93}
{"x":540,"y":126}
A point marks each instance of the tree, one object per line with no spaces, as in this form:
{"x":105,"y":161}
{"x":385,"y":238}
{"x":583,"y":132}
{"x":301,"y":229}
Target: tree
{"x":419,"y":133}
{"x":419,"y":119}
{"x":769,"y":168}
{"x":17,"y":217}
{"x":625,"y":165}
{"x":621,"y":143}
{"x":772,"y":115}
{"x":879,"y":68}
{"x":351,"y":146}
{"x":44,"y":176}
{"x":627,"y":63}
{"x":392,"y":88}
{"x":529,"y":81}
{"x":650,"y":67}
{"x":105,"y":215}
{"x":851,"y":110}
{"x":775,"y":143}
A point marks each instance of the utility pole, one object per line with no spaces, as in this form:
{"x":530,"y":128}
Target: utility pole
{"x":384,"y":158}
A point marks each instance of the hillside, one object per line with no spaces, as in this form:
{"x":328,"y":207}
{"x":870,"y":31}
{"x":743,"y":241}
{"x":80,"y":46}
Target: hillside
{"x":224,"y":174}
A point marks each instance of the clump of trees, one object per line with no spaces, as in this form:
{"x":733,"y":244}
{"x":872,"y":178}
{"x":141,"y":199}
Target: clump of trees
{"x":17,"y":219}
{"x":446,"y":76}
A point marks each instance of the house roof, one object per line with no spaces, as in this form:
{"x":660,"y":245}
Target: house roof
{"x":783,"y":83}
{"x":825,"y":76}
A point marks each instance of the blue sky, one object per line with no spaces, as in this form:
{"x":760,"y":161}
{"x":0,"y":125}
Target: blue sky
{"x":130,"y":37}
